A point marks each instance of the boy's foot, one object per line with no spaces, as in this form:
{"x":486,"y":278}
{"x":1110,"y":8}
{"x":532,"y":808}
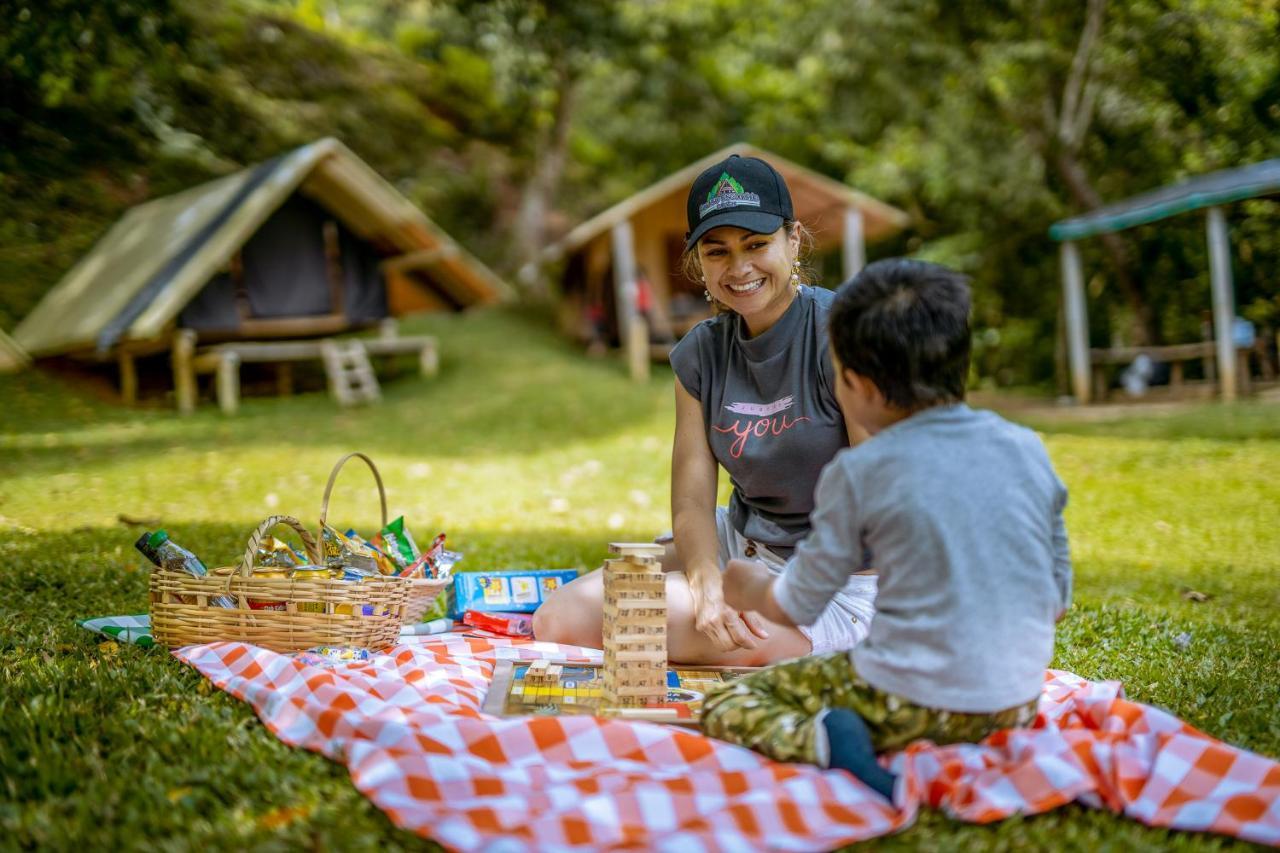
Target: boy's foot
{"x":851,"y":750}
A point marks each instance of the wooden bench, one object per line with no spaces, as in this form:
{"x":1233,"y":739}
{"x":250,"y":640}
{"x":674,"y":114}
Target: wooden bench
{"x":224,"y":360}
{"x":1175,"y":356}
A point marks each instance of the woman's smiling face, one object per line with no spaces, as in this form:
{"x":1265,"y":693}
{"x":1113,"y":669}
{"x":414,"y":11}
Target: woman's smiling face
{"x":750,"y":273}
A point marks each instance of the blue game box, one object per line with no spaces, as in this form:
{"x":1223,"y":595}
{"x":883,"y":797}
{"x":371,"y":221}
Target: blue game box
{"x":511,"y":591}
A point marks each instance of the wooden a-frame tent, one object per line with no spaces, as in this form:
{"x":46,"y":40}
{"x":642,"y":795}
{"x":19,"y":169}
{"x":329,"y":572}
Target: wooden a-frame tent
{"x":312,"y":242}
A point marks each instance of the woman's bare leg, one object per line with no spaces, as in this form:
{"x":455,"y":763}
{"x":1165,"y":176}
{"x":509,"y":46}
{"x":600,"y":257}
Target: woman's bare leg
{"x":687,"y":645}
{"x":574,"y":615}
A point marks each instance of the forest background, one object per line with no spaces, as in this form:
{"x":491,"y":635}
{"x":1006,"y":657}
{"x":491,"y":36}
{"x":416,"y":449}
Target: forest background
{"x":511,"y":121}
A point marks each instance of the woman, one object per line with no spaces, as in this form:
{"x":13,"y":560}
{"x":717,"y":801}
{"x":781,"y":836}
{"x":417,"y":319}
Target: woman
{"x":755,"y":394}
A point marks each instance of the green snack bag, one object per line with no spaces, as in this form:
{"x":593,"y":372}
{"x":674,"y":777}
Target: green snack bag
{"x":398,"y":542}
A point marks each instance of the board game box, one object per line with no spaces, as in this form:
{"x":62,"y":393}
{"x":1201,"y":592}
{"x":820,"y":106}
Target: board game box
{"x":578,"y":692}
{"x":509,"y":591}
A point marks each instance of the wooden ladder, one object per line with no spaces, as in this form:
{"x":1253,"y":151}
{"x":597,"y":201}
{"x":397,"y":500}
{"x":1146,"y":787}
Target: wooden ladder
{"x":351,"y":376}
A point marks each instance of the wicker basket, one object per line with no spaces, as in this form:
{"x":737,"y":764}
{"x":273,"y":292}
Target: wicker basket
{"x":181,"y":614}
{"x":422,"y":591}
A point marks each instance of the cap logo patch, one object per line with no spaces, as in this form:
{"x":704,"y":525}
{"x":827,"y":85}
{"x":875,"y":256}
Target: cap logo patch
{"x":727,"y":193}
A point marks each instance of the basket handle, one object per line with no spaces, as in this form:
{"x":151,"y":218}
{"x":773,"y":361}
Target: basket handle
{"x":255,"y":541}
{"x":333,"y":476}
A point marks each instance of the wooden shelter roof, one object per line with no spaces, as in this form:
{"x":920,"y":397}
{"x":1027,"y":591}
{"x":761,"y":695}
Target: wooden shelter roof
{"x":1221,"y":187}
{"x":816,"y":198}
{"x":152,"y":262}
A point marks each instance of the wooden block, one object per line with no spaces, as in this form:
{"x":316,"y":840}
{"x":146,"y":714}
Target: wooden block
{"x":637,"y":549}
{"x":539,"y":674}
{"x":655,"y":714}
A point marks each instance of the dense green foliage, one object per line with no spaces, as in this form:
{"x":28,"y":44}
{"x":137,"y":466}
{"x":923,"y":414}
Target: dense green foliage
{"x":510,"y":121}
{"x":529,"y":455}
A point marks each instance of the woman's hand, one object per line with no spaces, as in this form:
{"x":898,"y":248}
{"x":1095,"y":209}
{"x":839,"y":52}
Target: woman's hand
{"x":727,"y":628}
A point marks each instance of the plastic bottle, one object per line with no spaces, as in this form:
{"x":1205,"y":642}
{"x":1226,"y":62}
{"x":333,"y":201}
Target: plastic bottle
{"x":173,"y":556}
{"x":144,"y":545}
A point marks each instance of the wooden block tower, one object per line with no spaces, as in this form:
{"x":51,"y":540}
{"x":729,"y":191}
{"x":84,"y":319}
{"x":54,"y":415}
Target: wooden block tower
{"x":635,"y":627}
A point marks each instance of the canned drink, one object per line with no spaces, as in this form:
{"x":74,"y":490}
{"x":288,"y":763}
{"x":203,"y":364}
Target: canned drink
{"x":268,"y":604}
{"x":354,"y":609}
{"x":256,"y":604}
{"x":312,"y":573}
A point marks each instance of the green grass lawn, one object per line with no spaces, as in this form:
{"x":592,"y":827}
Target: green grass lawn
{"x":530,"y":455}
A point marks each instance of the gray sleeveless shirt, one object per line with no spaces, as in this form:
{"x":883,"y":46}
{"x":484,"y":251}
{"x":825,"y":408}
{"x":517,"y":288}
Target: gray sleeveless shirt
{"x":770,"y":412}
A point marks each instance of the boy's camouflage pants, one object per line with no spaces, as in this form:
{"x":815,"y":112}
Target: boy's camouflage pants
{"x":778,"y":710}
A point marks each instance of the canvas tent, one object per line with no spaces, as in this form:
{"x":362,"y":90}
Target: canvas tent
{"x":311,"y":242}
{"x":644,"y":236}
{"x":12,"y":357}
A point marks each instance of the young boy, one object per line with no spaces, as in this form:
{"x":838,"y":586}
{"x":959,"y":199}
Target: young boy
{"x":961,"y":512}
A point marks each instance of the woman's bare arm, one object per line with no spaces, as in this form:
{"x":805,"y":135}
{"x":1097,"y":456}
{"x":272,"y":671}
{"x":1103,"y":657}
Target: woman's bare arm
{"x":694,"y":477}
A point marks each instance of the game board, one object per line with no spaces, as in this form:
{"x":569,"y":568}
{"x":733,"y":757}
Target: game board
{"x":579,"y":687}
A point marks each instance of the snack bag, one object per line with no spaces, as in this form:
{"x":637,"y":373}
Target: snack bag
{"x":386,"y":565}
{"x":396,"y":541}
{"x":333,"y":655}
{"x":435,"y":562}
{"x":340,"y":552}
{"x":273,"y":553}
{"x":507,"y":624}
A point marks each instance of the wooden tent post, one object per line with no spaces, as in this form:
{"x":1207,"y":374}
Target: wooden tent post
{"x":1224,"y":309}
{"x":184,"y":372}
{"x":624,"y":280}
{"x":228,"y":382}
{"x":128,"y":376}
{"x":1077,"y":320}
{"x":637,"y":339}
{"x":429,"y":358}
{"x":855,"y":250}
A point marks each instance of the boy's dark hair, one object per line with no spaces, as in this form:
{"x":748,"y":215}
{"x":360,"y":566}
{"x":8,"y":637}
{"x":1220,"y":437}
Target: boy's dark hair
{"x":904,"y":325}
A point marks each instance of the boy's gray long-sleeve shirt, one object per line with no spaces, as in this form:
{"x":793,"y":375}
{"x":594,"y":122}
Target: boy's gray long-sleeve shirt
{"x":962,"y":513}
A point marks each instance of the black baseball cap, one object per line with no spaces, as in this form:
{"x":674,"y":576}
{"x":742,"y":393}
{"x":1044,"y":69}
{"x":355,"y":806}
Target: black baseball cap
{"x":745,"y":192}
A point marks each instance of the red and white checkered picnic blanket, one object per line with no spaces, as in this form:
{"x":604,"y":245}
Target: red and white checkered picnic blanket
{"x":408,"y":726}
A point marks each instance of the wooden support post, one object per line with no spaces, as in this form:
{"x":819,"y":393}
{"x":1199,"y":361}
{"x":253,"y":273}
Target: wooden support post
{"x":624,"y":277}
{"x":1175,"y":375}
{"x":1100,"y":382}
{"x":128,"y":377}
{"x":184,"y":374}
{"x":284,"y":379}
{"x":1224,"y":308}
{"x":429,"y":358}
{"x":1077,"y":320}
{"x":228,"y":382}
{"x":637,"y":340}
{"x":855,"y":250}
